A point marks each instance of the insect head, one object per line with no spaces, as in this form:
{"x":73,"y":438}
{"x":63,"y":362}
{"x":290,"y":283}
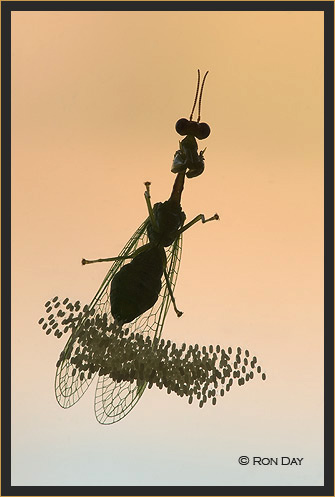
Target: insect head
{"x":187,"y":156}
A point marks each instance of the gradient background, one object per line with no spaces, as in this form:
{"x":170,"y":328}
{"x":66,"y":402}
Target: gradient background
{"x":95,"y":97}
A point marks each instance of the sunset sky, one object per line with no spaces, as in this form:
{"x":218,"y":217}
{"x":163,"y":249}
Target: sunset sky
{"x":95,"y":98}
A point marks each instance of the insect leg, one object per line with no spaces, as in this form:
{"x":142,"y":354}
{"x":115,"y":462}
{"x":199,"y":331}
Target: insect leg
{"x":120,"y":258}
{"x":148,"y":201}
{"x":199,"y":217}
{"x":179,"y":313}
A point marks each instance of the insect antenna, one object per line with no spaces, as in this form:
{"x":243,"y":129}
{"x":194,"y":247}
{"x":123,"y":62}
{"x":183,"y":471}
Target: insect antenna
{"x":196,"y":95}
{"x":200,"y":97}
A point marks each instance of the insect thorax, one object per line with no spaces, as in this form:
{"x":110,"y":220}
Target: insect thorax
{"x":169,"y":217}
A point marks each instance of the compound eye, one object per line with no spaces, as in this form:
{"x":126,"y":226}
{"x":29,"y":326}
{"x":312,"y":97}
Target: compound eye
{"x":203,"y":130}
{"x":182,"y":126}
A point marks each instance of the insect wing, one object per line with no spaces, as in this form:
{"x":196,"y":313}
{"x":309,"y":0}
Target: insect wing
{"x":115,"y":399}
{"x":71,"y":384}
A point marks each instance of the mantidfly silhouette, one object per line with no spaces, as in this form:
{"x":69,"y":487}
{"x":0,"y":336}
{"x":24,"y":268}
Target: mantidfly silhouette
{"x":136,"y":286}
{"x":138,"y":293}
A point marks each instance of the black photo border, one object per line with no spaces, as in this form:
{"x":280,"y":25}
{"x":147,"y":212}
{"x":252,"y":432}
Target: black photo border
{"x":7,"y":7}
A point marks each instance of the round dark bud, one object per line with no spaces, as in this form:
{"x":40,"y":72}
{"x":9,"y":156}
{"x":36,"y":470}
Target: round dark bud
{"x":202,"y":131}
{"x":182,"y":126}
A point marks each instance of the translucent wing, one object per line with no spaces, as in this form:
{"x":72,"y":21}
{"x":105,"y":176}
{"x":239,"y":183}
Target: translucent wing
{"x":115,"y":399}
{"x":70,"y":388}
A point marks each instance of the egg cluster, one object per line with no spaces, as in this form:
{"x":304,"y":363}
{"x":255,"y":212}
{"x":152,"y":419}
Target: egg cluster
{"x":98,"y":346}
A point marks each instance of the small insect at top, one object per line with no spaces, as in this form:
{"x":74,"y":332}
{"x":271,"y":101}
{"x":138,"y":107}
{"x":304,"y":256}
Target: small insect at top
{"x":187,"y":157}
{"x":194,"y":128}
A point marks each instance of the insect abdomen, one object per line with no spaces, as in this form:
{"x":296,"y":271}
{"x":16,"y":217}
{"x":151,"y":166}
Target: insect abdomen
{"x":135,"y":288}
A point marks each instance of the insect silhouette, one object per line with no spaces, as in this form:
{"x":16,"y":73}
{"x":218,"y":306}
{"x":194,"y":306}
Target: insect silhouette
{"x":137,"y":293}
